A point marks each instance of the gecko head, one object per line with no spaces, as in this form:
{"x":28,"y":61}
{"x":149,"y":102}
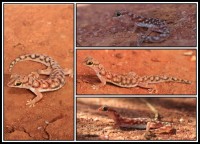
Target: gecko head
{"x":91,"y":62}
{"x":122,"y":16}
{"x":17,"y":81}
{"x":94,"y":64}
{"x":109,"y":112}
{"x":106,"y":109}
{"x":119,"y":13}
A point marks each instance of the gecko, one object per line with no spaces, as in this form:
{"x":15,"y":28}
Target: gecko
{"x":130,"y":79}
{"x":136,"y":123}
{"x":153,"y":24}
{"x":55,"y":80}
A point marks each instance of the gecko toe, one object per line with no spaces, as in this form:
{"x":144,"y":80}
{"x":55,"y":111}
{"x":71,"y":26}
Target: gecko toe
{"x":152,"y":91}
{"x":30,"y":103}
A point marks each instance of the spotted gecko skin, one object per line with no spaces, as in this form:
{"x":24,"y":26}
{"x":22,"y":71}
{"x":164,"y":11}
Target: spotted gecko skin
{"x":55,"y":81}
{"x":153,"y":25}
{"x":130,"y":79}
{"x":137,"y":123}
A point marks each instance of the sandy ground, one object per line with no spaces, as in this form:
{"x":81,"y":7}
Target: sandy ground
{"x":41,"y":29}
{"x":95,"y":26}
{"x":92,"y":125}
{"x":142,"y":62}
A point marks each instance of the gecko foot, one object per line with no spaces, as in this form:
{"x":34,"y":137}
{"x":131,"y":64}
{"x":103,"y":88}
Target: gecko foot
{"x":140,"y":39}
{"x":148,"y":135}
{"x":152,"y":90}
{"x":68,"y":72}
{"x":96,"y":87}
{"x":30,"y":103}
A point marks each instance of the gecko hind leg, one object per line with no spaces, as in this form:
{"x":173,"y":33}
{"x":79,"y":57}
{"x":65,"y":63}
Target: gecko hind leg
{"x":160,"y":127}
{"x":34,"y":75}
{"x":142,"y":37}
{"x":45,"y":71}
{"x":151,"y":88}
{"x":165,"y":129}
{"x":158,"y":38}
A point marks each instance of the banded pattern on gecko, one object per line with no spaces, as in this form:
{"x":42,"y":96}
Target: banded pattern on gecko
{"x":153,"y":25}
{"x":137,"y":123}
{"x":55,"y":81}
{"x":130,"y":79}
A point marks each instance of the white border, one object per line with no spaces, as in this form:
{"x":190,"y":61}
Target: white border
{"x":75,"y":96}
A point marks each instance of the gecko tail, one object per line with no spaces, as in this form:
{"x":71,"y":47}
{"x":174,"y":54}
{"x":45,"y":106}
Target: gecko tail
{"x":46,"y":60}
{"x":159,"y":79}
{"x":154,"y":39}
{"x":174,"y":79}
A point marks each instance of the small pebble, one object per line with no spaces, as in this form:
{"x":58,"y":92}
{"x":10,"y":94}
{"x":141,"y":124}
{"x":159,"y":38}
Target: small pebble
{"x":189,"y":53}
{"x":181,"y":120}
{"x":108,"y":128}
{"x":106,"y":51}
{"x":95,"y":33}
{"x":193,"y":58}
{"x":47,"y":122}
{"x":106,"y":137}
{"x":96,"y":119}
{"x":39,"y":128}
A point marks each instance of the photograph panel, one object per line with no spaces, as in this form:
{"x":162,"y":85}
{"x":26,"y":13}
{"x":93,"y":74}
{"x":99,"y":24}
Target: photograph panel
{"x":136,"y":72}
{"x":136,"y":119}
{"x":137,"y":24}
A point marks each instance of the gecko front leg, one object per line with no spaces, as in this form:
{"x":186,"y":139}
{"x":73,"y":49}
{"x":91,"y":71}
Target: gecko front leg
{"x":68,"y":72}
{"x":102,"y":84}
{"x":160,"y":127}
{"x":38,"y":97}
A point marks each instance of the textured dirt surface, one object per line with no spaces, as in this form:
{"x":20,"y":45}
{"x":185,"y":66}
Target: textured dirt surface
{"x":42,"y":29}
{"x":95,"y":26}
{"x":142,"y":62}
{"x":92,"y":125}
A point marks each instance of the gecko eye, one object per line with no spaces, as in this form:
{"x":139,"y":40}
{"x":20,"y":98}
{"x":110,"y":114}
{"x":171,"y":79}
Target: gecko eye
{"x":105,"y":108}
{"x":18,"y":83}
{"x":89,"y":63}
{"x":117,"y":14}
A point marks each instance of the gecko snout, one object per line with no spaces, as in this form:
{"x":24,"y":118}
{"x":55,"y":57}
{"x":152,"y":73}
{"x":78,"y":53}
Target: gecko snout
{"x":103,"y":108}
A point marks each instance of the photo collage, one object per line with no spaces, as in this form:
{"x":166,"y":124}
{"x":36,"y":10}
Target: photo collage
{"x":100,"y":72}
